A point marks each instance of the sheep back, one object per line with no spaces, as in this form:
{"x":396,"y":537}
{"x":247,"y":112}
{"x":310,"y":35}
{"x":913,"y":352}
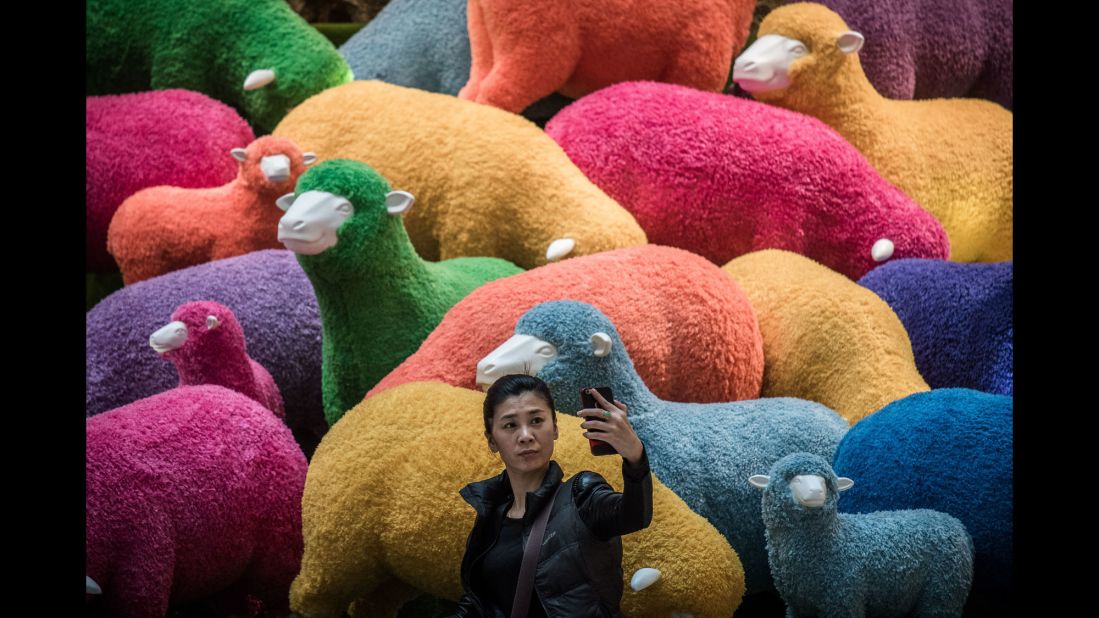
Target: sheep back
{"x":486,"y":182}
{"x":958,"y":316}
{"x":825,"y":338}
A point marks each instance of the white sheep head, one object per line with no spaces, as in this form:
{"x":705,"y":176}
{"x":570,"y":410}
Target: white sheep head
{"x":312,"y":219}
{"x":528,"y":354}
{"x":801,"y":487}
{"x":765,"y":65}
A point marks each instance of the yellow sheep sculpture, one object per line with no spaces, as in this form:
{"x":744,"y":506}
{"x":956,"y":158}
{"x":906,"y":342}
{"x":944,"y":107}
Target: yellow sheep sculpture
{"x":825,"y":338}
{"x":953,"y":156}
{"x":382,"y":518}
{"x":487,"y":182}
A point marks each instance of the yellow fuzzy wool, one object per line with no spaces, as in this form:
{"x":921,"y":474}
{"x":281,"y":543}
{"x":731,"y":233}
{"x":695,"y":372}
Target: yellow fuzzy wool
{"x":825,"y":338}
{"x":487,"y":182}
{"x":952,"y":156}
{"x":381,"y":514}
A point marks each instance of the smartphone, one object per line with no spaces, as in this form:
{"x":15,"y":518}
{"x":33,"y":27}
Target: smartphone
{"x":598,"y":447}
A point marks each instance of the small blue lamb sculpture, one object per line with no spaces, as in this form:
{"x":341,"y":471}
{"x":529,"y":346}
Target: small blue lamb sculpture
{"x":890,"y":563}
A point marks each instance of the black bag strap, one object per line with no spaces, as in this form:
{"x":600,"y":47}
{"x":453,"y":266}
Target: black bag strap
{"x":531,"y":550}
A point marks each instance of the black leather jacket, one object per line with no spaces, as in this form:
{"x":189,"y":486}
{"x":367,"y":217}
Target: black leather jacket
{"x":579,"y":571}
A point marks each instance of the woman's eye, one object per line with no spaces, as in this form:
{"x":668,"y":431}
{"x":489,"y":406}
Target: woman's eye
{"x":509,"y":425}
{"x":536,"y":420}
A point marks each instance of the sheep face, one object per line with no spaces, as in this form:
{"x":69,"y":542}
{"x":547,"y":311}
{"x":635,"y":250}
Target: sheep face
{"x":766,"y":64}
{"x":800,"y":489}
{"x":519,"y":354}
{"x":312,"y":220}
{"x":271,"y":164}
{"x":198,"y":330}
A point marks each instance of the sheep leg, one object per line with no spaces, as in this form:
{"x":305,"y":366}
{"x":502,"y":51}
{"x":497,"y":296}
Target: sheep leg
{"x":143,"y":585}
{"x":480,"y":48}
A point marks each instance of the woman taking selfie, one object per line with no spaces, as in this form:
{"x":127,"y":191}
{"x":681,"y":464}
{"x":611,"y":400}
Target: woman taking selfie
{"x":577,"y":568}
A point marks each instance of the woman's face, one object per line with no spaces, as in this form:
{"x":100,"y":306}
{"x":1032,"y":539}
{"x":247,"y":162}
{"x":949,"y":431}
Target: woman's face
{"x":523,"y":432}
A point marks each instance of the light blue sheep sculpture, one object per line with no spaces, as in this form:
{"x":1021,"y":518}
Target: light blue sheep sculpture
{"x":702,"y":451}
{"x":916,"y":563}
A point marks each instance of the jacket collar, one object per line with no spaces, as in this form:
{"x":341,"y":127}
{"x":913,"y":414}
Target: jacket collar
{"x":485,"y":496}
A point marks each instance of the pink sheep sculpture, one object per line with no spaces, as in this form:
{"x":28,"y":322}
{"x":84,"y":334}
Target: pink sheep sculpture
{"x":205,"y":342}
{"x":723,"y":176}
{"x":192,"y":494}
{"x":147,"y":139}
{"x":162,"y":229}
{"x":523,"y":50}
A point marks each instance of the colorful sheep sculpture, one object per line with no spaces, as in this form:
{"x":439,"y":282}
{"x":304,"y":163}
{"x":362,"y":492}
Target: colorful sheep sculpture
{"x":825,"y":338}
{"x":378,"y":299}
{"x":194,"y":493}
{"x":703,"y":452}
{"x":722,"y":176}
{"x":256,"y":55}
{"x":959,"y":317}
{"x":955,"y":448}
{"x":523,"y":50}
{"x":161,"y":229}
{"x":147,"y":139}
{"x":206,"y":344}
{"x":382,"y":516}
{"x":670,"y":303}
{"x":487,"y":182}
{"x":927,"y":49}
{"x":891,"y":563}
{"x":954,"y":157}
{"x":269,"y":295}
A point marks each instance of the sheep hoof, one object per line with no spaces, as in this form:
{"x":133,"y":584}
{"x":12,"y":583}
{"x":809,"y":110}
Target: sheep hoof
{"x":882,"y":250}
{"x":559,"y":249}
{"x":644,"y":578}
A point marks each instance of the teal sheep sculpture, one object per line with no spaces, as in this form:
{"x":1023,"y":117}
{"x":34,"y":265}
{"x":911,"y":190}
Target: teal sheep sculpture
{"x":378,"y":299}
{"x":702,"y":451}
{"x":889,"y":563}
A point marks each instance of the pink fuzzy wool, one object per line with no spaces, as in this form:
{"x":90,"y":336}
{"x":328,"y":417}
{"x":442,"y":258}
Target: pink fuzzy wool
{"x":722,"y":176}
{"x":165,"y":137}
{"x":194,"y":493}
{"x":219,"y":355}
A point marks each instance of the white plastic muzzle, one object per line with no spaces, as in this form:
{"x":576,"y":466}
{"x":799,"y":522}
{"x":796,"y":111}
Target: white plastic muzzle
{"x":310,"y":223}
{"x":809,"y":490}
{"x":169,"y":337}
{"x":519,"y":354}
{"x":765,"y":65}
{"x":276,"y":167}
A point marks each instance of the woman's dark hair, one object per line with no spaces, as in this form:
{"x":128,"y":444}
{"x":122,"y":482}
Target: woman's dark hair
{"x":512,"y":386}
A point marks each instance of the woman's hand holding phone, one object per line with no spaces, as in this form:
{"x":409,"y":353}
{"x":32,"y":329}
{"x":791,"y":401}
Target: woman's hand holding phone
{"x":615,"y":429}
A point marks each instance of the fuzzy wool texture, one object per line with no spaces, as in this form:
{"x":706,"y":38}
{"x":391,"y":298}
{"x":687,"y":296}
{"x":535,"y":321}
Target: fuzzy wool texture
{"x":949,"y":450}
{"x":927,"y":49}
{"x":424,"y":44}
{"x":952,"y":156}
{"x":670,"y":304}
{"x":890,"y":563}
{"x":369,"y":492}
{"x":825,"y":338}
{"x":219,"y":355}
{"x":960,"y":318}
{"x":192,"y":493}
{"x":165,"y":137}
{"x":378,"y":299}
{"x":269,"y":295}
{"x":487,"y":182}
{"x":701,"y":451}
{"x":211,"y":47}
{"x":723,"y":176}
{"x":523,"y":50}
{"x":161,"y":229}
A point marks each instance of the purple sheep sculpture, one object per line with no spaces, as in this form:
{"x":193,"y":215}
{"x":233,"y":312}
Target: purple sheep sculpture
{"x":192,"y":494}
{"x":929,"y":49}
{"x":722,"y":176}
{"x":165,"y":137}
{"x":268,"y":293}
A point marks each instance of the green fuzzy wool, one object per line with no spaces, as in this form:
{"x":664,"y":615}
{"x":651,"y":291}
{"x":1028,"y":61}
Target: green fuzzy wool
{"x":210,"y":46}
{"x":378,"y":299}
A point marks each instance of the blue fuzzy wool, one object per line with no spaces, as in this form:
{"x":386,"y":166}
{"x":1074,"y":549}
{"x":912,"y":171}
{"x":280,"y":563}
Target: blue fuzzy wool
{"x":703,"y":452}
{"x":890,"y":563}
{"x":959,"y":318}
{"x":949,"y":450}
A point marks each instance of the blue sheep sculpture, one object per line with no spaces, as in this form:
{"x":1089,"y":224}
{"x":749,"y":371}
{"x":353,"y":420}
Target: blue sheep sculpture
{"x":916,"y":563}
{"x":702,"y":451}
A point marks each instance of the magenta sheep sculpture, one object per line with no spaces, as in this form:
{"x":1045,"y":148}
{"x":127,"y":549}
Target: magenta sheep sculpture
{"x":206,"y":343}
{"x":192,"y":494}
{"x":722,"y":176}
{"x":147,"y":139}
{"x":161,"y":229}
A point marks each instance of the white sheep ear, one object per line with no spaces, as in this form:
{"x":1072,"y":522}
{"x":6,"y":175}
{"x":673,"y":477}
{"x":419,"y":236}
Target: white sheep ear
{"x":843,"y":483}
{"x":759,"y":481}
{"x":398,"y":202}
{"x":212,"y":322}
{"x":239,"y":154}
{"x":285,"y":202}
{"x":309,"y":158}
{"x":601,"y":344}
{"x":258,"y":79}
{"x":850,"y":42}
